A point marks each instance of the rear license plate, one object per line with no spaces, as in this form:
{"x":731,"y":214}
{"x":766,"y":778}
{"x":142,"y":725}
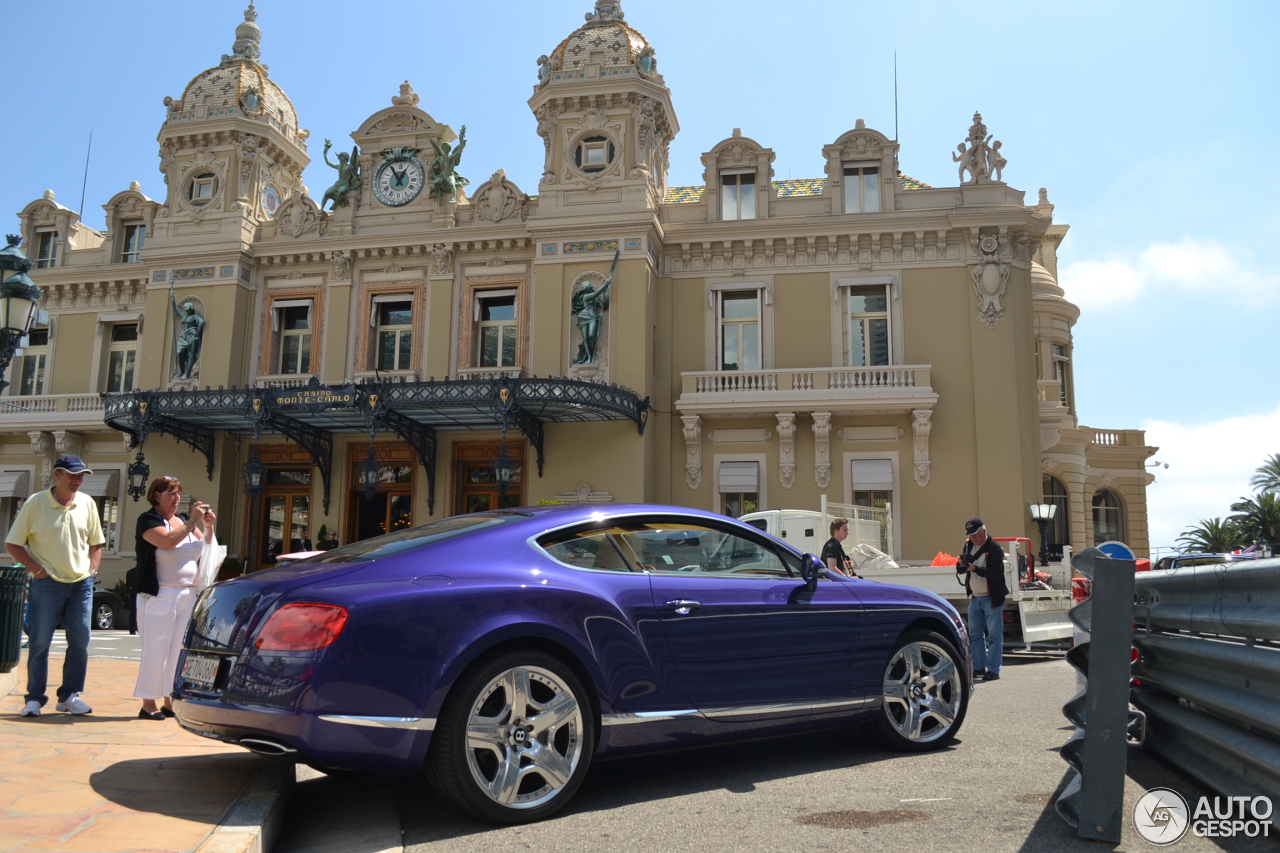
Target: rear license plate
{"x":199,"y":671}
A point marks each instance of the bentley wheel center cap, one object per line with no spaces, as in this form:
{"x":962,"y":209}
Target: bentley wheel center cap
{"x":519,"y":736}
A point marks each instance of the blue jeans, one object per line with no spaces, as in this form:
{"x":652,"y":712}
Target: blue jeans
{"x":50,"y":601}
{"x":986,"y":633}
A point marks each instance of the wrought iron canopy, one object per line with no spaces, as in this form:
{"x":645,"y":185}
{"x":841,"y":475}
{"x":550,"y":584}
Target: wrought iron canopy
{"x":312,"y":414}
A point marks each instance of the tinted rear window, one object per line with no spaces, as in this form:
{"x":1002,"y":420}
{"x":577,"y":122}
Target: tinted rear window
{"x":415,"y":537}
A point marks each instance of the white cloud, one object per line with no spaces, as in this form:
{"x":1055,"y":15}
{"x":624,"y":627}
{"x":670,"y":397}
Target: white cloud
{"x":1209,"y":469}
{"x":1191,"y":265}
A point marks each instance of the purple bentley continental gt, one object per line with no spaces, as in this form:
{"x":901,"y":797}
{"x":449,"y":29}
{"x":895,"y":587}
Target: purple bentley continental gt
{"x":503,"y":652}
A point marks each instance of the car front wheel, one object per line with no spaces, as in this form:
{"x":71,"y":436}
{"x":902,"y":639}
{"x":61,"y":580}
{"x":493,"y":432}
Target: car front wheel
{"x":104,"y":616}
{"x":925,"y":694}
{"x":514,"y":739}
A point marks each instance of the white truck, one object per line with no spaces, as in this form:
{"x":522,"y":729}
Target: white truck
{"x":1037,"y":605}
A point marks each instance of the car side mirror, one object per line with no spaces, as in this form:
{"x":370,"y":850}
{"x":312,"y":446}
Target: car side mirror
{"x":813,"y":570}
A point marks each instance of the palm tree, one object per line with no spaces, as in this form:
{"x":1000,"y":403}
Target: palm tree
{"x":1257,"y":517}
{"x":1211,"y":536}
{"x":1267,"y":477}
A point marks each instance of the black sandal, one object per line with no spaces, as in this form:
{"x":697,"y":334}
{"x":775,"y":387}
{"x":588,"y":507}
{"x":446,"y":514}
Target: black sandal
{"x":144,"y":714}
{"x":167,"y":711}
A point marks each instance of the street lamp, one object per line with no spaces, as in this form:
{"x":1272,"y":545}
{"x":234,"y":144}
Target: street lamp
{"x":19,"y":296}
{"x":1042,"y":514}
{"x":370,"y":474}
{"x":503,"y":470}
{"x":139,"y":472}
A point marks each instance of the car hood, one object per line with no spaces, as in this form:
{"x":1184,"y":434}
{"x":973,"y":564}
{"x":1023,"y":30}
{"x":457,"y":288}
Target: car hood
{"x":229,"y":613}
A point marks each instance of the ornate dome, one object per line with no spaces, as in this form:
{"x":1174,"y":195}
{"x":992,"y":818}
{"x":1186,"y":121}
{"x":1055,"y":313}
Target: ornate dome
{"x":606,"y":33}
{"x":1043,"y":283}
{"x":239,"y":85}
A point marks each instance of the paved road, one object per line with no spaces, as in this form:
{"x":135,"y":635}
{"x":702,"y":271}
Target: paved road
{"x":120,"y":645}
{"x":823,"y":791}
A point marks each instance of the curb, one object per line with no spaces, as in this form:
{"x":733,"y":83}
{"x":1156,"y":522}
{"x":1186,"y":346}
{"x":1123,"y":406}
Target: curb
{"x":252,"y":823}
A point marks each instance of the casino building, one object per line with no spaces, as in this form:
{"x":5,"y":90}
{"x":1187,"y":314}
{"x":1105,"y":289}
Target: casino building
{"x":409,"y":348}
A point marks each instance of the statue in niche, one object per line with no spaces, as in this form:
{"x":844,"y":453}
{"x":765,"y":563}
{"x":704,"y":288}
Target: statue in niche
{"x":349,"y":179}
{"x":444,"y":177}
{"x":589,"y":304}
{"x":190,"y":336}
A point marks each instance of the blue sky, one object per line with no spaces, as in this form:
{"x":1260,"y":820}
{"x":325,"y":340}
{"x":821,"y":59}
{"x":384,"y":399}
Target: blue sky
{"x":1152,"y":125}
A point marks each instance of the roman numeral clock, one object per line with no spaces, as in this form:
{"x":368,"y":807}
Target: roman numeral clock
{"x":400,"y":177}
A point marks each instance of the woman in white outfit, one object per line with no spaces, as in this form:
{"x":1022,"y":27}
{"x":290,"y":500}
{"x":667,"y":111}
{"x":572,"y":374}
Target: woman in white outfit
{"x":168,"y":547}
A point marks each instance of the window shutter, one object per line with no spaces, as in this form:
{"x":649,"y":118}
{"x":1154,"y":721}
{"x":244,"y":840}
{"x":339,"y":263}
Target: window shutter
{"x":872,"y":474}
{"x":104,"y":485}
{"x":739,"y":477}
{"x":281,"y":304}
{"x":15,"y":484}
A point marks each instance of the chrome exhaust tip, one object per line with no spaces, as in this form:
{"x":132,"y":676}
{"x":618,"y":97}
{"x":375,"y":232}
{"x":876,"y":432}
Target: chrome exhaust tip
{"x":268,"y":747}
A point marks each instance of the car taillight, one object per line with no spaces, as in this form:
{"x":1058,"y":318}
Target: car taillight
{"x":301,"y":628}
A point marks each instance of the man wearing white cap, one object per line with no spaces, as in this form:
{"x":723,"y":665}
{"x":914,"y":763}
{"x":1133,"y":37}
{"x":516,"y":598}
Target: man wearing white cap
{"x":58,"y":538}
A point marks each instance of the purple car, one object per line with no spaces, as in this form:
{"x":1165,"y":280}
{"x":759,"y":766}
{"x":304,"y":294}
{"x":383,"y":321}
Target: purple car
{"x":504,"y":651}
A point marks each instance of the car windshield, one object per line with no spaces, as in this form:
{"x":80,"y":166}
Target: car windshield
{"x":415,"y":537}
{"x":1191,"y":562}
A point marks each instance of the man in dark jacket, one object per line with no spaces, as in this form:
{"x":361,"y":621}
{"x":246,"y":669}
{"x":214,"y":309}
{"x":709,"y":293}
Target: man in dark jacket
{"x":131,"y":581}
{"x":982,"y":563}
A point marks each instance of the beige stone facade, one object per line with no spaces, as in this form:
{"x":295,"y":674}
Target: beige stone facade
{"x":860,"y":336}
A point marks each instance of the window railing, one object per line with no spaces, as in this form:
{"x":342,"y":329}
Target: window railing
{"x":857,"y":379}
{"x":287,"y":380}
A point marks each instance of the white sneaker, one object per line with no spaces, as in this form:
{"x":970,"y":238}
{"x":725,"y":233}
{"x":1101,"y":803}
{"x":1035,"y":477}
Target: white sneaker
{"x":31,"y":709}
{"x":74,"y":705}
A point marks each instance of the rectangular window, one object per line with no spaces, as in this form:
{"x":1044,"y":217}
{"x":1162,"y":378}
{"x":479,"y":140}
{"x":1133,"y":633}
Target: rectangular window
{"x":740,"y":330}
{"x":496,"y":331}
{"x":868,"y":344}
{"x":32,"y":379}
{"x":393,"y":317}
{"x":109,"y":515}
{"x":861,"y":189}
{"x":291,"y":321}
{"x":1062,"y":373}
{"x":46,"y":249}
{"x":739,"y":484}
{"x":134,"y":237}
{"x":121,"y":357}
{"x":738,"y":196}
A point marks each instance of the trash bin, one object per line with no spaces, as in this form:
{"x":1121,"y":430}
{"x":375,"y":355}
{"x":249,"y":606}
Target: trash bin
{"x":13,"y":589}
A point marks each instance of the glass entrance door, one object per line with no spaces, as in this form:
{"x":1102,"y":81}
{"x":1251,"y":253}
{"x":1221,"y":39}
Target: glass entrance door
{"x":285,"y":520}
{"x":477,"y":489}
{"x":391,"y":507}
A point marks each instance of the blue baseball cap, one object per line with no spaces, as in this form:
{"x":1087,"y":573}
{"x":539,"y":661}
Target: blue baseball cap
{"x":71,"y":464}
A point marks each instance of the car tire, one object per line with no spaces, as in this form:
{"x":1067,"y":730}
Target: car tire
{"x":925,"y":693}
{"x":104,"y":616}
{"x":514,"y":739}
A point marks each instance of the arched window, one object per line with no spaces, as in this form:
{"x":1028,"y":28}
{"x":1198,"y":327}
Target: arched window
{"x":1108,"y":517}
{"x":1059,"y":530}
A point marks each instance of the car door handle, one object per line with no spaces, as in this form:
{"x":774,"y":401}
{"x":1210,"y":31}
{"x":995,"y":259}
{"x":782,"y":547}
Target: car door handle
{"x":683,"y":607}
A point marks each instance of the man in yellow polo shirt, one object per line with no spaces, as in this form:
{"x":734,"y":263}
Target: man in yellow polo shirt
{"x":58,"y":537}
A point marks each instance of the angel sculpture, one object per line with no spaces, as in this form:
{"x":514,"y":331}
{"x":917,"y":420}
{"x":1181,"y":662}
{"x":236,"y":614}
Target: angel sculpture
{"x":444,"y":177}
{"x":349,"y":178}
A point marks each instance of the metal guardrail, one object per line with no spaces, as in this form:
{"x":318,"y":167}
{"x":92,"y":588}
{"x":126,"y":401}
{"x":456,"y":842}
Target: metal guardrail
{"x":1208,"y":672}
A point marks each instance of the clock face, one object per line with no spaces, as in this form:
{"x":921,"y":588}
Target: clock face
{"x":399,"y":182}
{"x":270,"y":200}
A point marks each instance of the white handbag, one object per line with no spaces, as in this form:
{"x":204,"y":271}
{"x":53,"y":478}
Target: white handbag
{"x":209,"y":562}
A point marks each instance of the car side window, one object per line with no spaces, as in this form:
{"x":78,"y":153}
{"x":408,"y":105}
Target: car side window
{"x":678,"y":548}
{"x":588,"y":549}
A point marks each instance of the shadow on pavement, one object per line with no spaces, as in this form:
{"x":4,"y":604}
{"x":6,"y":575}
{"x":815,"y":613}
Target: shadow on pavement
{"x":194,"y":787}
{"x":1052,"y":834}
{"x":736,"y":768}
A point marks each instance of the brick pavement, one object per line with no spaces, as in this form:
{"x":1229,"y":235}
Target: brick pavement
{"x":108,"y":781}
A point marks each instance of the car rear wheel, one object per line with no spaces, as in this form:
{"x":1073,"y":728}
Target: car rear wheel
{"x":925,"y":694}
{"x":104,"y":616}
{"x":514,"y":739}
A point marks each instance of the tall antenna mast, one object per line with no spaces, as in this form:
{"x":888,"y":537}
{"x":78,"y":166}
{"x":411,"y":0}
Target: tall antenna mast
{"x":85,"y":185}
{"x":895,"y":95}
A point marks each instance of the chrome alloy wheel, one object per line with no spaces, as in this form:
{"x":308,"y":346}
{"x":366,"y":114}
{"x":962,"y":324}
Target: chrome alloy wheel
{"x":922,"y":692}
{"x":104,"y":617}
{"x":524,"y":737}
